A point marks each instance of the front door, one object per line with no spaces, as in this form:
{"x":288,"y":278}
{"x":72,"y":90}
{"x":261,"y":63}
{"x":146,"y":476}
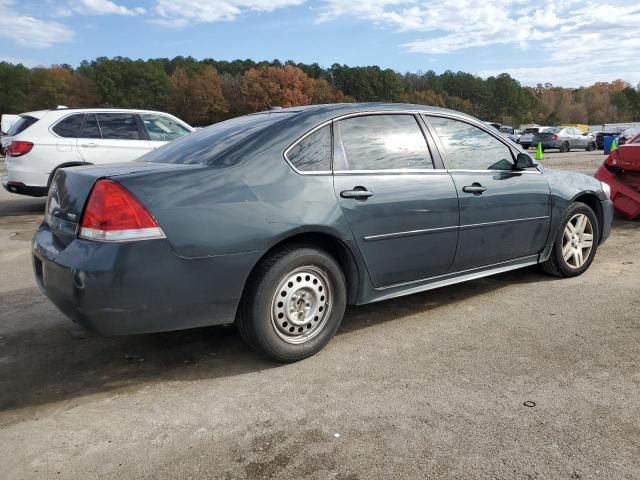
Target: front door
{"x":112,"y":138}
{"x":504,"y":213}
{"x":402,"y":211}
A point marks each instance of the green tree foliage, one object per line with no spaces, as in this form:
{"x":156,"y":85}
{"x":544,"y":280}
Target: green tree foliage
{"x":209,"y":90}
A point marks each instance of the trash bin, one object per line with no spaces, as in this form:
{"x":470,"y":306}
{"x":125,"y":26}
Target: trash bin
{"x":608,"y":140}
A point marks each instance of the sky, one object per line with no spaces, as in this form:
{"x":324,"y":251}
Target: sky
{"x":564,"y":42}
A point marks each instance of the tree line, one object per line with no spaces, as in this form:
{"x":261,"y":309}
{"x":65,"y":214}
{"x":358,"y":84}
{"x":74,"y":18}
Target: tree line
{"x":202,"y":92}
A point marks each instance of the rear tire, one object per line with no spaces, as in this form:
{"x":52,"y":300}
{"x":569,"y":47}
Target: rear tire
{"x":525,"y":145}
{"x":576,"y":243}
{"x":294,"y":303}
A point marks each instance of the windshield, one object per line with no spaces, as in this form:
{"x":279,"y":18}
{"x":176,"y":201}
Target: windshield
{"x":203,"y":145}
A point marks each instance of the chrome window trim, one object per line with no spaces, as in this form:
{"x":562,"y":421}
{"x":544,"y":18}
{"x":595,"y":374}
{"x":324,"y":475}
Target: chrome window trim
{"x":390,"y":171}
{"x":463,"y":170}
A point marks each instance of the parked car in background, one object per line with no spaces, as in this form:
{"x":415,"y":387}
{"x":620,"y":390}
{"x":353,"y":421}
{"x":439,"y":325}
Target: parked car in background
{"x":621,"y":171}
{"x":511,"y":133}
{"x":627,"y":135}
{"x":564,"y":139}
{"x":276,"y":221}
{"x":7,"y":121}
{"x":526,"y":137}
{"x":42,"y":142}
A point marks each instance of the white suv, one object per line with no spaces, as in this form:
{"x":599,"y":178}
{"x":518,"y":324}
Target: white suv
{"x":42,"y":142}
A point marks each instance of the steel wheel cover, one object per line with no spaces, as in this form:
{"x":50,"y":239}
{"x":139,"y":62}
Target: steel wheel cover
{"x":301,"y":304}
{"x":577,"y":241}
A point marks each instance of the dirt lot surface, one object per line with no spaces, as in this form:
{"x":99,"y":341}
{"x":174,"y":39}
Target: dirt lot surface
{"x":432,"y":385}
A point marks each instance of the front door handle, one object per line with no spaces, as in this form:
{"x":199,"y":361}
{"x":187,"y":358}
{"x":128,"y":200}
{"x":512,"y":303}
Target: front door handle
{"x":88,"y":145}
{"x":474,"y":188}
{"x":359,"y":193}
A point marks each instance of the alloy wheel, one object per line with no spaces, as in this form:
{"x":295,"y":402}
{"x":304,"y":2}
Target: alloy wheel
{"x":577,"y":241}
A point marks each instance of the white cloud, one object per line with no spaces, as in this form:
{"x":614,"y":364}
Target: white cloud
{"x":179,"y":13}
{"x":29,"y":31}
{"x":96,"y":7}
{"x":582,"y":41}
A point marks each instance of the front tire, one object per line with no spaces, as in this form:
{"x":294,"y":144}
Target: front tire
{"x":591,"y":147}
{"x":294,"y":303}
{"x":576,"y":243}
{"x":565,"y":147}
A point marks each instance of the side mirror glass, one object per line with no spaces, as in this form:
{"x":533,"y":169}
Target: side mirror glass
{"x":524,"y":161}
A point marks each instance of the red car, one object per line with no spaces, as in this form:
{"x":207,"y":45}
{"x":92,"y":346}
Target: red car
{"x":621,"y":171}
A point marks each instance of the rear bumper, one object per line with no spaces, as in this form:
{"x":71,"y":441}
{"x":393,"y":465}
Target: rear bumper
{"x":137,"y":287}
{"x":22,"y":189}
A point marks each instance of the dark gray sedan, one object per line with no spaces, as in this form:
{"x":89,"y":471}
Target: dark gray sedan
{"x":564,"y":139}
{"x":276,"y":221}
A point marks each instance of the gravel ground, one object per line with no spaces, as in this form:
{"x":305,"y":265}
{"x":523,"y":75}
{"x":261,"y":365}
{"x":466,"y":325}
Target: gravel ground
{"x":432,"y":385}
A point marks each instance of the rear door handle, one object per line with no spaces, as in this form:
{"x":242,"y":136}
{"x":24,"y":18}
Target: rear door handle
{"x":88,"y":145}
{"x":474,"y":188}
{"x":359,"y":193}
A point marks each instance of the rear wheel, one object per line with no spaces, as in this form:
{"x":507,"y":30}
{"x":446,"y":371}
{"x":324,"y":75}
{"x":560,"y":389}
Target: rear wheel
{"x":565,"y":147}
{"x":293,"y":304}
{"x":575,"y":244}
{"x":525,"y":145}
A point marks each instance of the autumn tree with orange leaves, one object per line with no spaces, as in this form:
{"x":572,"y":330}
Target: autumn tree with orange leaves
{"x":268,"y":87}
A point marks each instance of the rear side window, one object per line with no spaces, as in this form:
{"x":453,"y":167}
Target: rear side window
{"x":90,"y":129}
{"x":21,"y":125}
{"x":163,"y":129}
{"x":119,"y":126}
{"x":69,"y":127}
{"x":382,"y":142}
{"x":202,"y":146}
{"x":313,"y":152}
{"x":470,"y":148}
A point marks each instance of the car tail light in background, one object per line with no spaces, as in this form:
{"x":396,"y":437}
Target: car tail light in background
{"x":113,"y":214}
{"x":18,"y":148}
{"x":554,"y":137}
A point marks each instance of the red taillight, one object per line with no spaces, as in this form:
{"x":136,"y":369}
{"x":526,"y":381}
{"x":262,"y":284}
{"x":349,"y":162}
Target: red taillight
{"x":114,"y":214}
{"x":18,"y":148}
{"x":554,"y":137}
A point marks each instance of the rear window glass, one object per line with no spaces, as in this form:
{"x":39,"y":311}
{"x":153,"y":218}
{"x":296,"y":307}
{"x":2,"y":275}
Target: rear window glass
{"x":530,"y":130}
{"x":21,"y":125}
{"x":203,"y":145}
{"x":119,"y":126}
{"x":69,"y":127}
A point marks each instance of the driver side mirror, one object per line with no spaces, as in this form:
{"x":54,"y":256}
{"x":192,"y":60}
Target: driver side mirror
{"x":524,"y":161}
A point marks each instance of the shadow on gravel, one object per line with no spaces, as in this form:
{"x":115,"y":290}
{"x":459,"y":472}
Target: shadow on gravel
{"x":21,"y":206}
{"x":41,"y":363}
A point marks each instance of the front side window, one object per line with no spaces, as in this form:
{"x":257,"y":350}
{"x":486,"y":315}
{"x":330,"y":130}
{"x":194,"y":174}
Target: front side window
{"x":470,"y":148}
{"x":118,"y":126}
{"x":382,"y":142}
{"x":69,"y":127}
{"x":163,"y":129}
{"x":313,"y":152}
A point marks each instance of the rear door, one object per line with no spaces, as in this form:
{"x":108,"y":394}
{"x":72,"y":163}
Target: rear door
{"x":111,"y":137}
{"x":401,"y":206}
{"x":504,"y":213}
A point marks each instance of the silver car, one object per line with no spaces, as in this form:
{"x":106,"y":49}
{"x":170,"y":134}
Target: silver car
{"x":564,"y":139}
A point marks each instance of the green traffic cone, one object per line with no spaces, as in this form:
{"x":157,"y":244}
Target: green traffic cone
{"x":539,"y":156}
{"x":614,"y":145}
